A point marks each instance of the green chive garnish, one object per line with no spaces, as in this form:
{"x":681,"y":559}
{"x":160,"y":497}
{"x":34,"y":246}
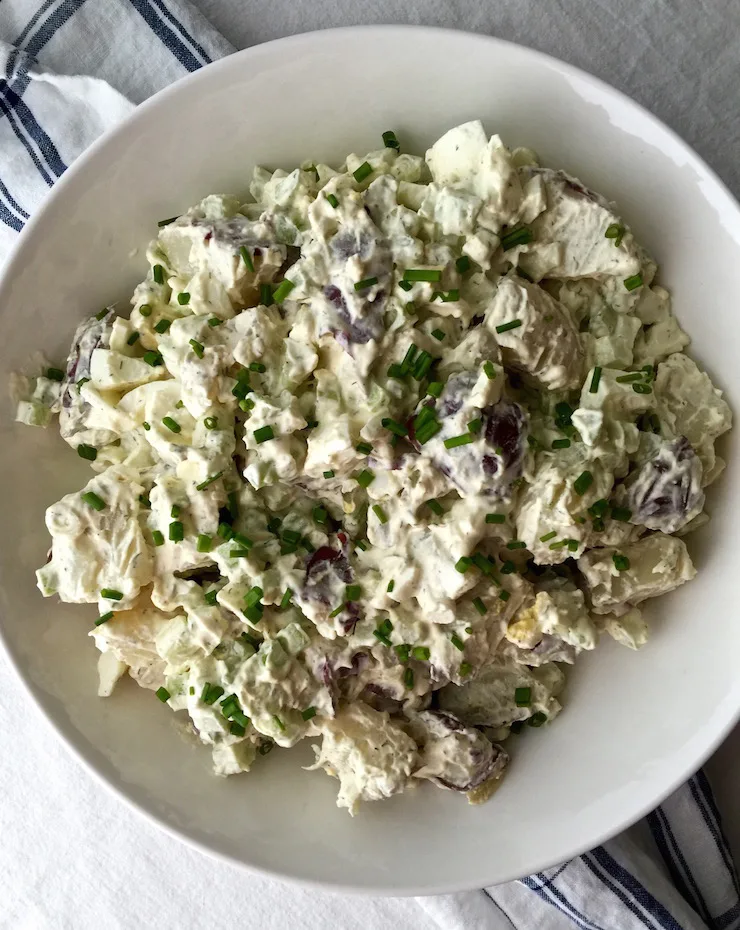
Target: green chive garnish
{"x":391,"y":586}
{"x":505,"y":327}
{"x":157,"y":538}
{"x":583,"y":482}
{"x":92,"y":500}
{"x":402,"y":650}
{"x":522,"y":697}
{"x":480,"y":606}
{"x":152,"y":358}
{"x":633,"y":282}
{"x":462,"y":264}
{"x":548,"y":536}
{"x":380,"y":513}
{"x":282,"y":290}
{"x":394,"y":427}
{"x":408,"y":678}
{"x":353,"y":592}
{"x":519,"y":236}
{"x":595,"y":378}
{"x":167,"y":222}
{"x":504,"y":596}
{"x":332,"y":200}
{"x":111,"y":594}
{"x":622,"y":514}
{"x":163,"y":694}
{"x":204,"y":543}
{"x":133,"y":338}
{"x":465,"y":669}
{"x":536,"y":720}
{"x":266,"y":295}
{"x":364,"y":448}
{"x":158,"y":274}
{"x":365,"y":284}
{"x":104,"y":618}
{"x":454,"y":441}
{"x":642,"y":389}
{"x":87,"y":452}
{"x":364,"y":171}
{"x":435,"y":388}
{"x":489,"y":370}
{"x":308,"y":713}
{"x":438,"y":334}
{"x":455,"y":639}
{"x":264,"y":434}
{"x":145,"y":310}
{"x":516,"y":544}
{"x":422,"y":274}
{"x":177,"y":531}
{"x":329,"y":473}
{"x":247,"y":258}
{"x":204,"y":484}
{"x":183,"y":298}
{"x":389,"y":140}
{"x":365,"y":478}
{"x":405,"y":285}
{"x":616,"y":232}
{"x":463,"y":564}
{"x":175,"y":512}
{"x":421,"y":653}
{"x":561,"y":443}
{"x":171,"y":424}
{"x":337,"y":611}
{"x":621,"y":562}
{"x":197,"y":347}
{"x":162,"y":326}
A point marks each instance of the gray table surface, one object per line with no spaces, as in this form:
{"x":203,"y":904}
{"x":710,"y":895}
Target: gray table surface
{"x":679,"y":58}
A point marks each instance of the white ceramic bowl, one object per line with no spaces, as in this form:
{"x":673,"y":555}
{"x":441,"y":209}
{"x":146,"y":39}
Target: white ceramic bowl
{"x":635,"y":725}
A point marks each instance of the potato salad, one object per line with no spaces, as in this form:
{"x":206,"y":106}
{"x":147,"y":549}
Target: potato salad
{"x":374,"y":456}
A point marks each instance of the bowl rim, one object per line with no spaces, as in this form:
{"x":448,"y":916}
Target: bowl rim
{"x":244,"y":58}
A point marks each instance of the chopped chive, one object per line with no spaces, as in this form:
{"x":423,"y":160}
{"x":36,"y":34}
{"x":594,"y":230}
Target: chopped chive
{"x":81,"y":383}
{"x":171,"y":424}
{"x":211,"y":423}
{"x":175,"y":512}
{"x":380,"y":513}
{"x":408,"y":678}
{"x":282,"y":290}
{"x":438,"y":334}
{"x":522,"y":697}
{"x":204,"y":484}
{"x":152,"y":358}
{"x":621,"y":562}
{"x":364,"y":171}
{"x":421,"y":653}
{"x":557,"y":545}
{"x":157,"y":538}
{"x":463,"y":564}
{"x":628,"y":379}
{"x":435,"y":388}
{"x":264,"y":434}
{"x":504,"y":596}
{"x":244,"y":541}
{"x":239,"y":553}
{"x":167,"y":222}
{"x":204,"y":543}
{"x":104,"y":618}
{"x":103,"y":313}
{"x":163,"y":694}
{"x":337,"y":611}
{"x":332,"y":200}
{"x":391,"y":586}
{"x":163,"y":325}
{"x":87,"y":452}
{"x":364,"y":448}
{"x":598,"y":508}
{"x":422,"y":274}
{"x":405,"y":285}
{"x":595,"y":378}
{"x":111,"y":594}
{"x":353,"y":592}
{"x":177,"y":531}
{"x":285,"y":600}
{"x":183,"y":298}
{"x":480,"y":606}
{"x":225,"y":531}
{"x":265,"y":747}
{"x":572,"y":545}
{"x":633,"y":282}
{"x":389,"y":139}
{"x":454,"y":441}
{"x":396,"y":371}
{"x":482,"y":563}
{"x":462,"y":264}
{"x":394,"y":426}
{"x":197,"y":347}
{"x":253,"y":596}
{"x":422,"y":365}
{"x":319,"y":515}
{"x":403,"y":651}
{"x":475,"y":426}
{"x":258,"y":367}
{"x":308,"y":713}
{"x":561,"y":443}
{"x":519,"y":236}
{"x":642,"y":389}
{"x":158,"y":274}
{"x":495,"y":518}
{"x":536,"y":720}
{"x":548,"y":536}
{"x":455,"y":639}
{"x":133,"y":338}
{"x":365,"y":283}
{"x":516,"y":544}
{"x":583,"y":482}
{"x":266,"y":295}
{"x":465,"y":669}
{"x":93,"y":500}
{"x":489,"y":369}
{"x":214,"y":321}
{"x":505,"y":327}
{"x":616,"y":232}
{"x":211,"y":693}
{"x":427,"y":431}
{"x":508,"y":568}
{"x":365,"y":478}
{"x":145,"y":310}
{"x":329,"y":473}
{"x":247,"y":258}
{"x":622,"y":514}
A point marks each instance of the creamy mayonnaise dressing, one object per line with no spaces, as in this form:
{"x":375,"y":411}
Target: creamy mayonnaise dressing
{"x":373,"y":453}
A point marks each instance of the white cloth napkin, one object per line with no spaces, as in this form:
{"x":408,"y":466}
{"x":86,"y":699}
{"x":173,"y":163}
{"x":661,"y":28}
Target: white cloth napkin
{"x":674,"y":871}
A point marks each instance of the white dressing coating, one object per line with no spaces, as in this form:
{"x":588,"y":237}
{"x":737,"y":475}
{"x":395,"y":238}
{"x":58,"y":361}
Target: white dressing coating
{"x":375,"y":454}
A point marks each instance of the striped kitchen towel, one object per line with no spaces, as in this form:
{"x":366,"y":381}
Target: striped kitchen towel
{"x":70,"y":70}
